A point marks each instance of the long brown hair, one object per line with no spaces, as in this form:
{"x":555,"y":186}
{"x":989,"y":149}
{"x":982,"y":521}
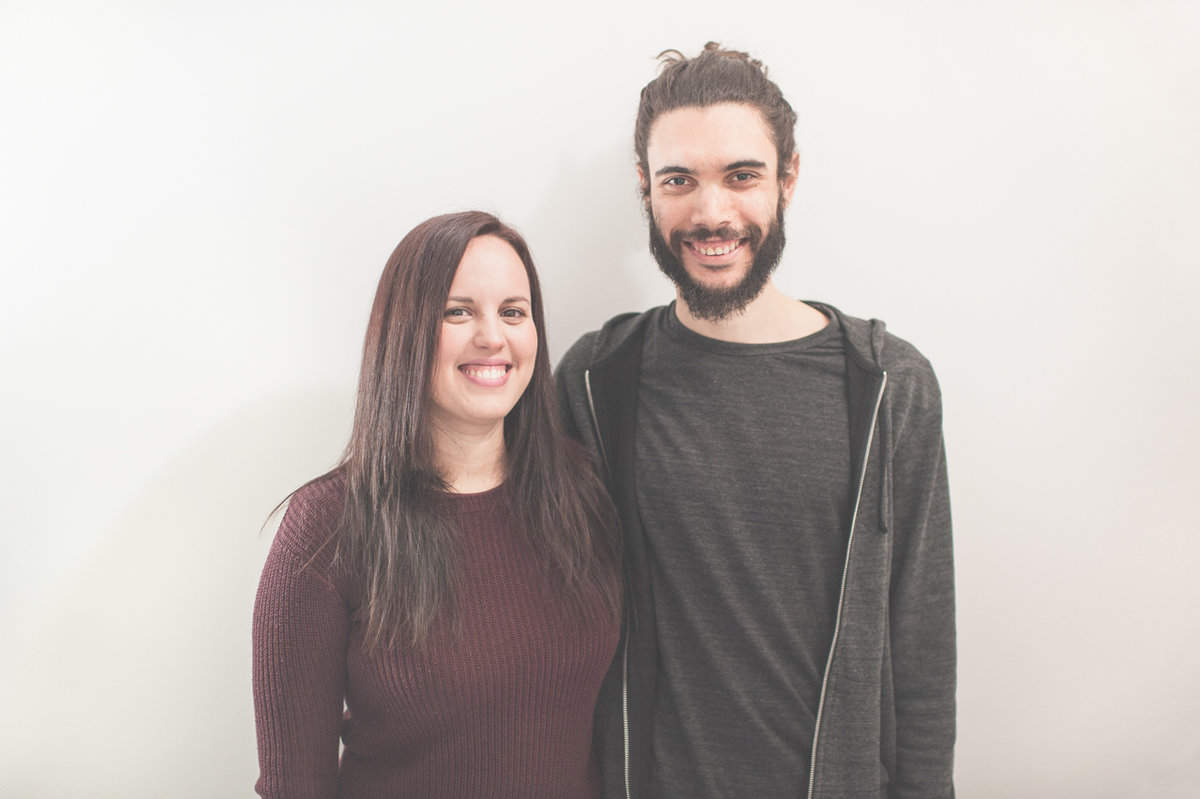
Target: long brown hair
{"x":392,"y":536}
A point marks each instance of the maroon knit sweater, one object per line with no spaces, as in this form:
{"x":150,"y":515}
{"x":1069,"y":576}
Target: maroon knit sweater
{"x":505,"y":710}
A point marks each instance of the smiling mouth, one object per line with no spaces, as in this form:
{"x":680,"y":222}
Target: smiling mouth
{"x":715,"y":248}
{"x":491,"y":374}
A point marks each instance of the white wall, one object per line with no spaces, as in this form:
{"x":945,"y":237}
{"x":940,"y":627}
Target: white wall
{"x":197,"y":201}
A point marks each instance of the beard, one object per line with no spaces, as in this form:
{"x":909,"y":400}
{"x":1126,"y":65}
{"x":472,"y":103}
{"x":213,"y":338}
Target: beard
{"x":716,"y":304}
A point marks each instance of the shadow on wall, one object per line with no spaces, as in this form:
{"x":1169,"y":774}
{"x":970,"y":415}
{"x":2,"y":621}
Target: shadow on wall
{"x":584,"y":235}
{"x":137,"y":678}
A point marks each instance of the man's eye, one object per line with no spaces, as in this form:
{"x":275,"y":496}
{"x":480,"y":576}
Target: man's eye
{"x":677,"y":180}
{"x":741,"y":177}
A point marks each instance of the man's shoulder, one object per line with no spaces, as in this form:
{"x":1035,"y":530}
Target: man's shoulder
{"x":596,"y":345}
{"x":912,"y":383}
{"x":901,"y":357}
{"x":875,"y":343}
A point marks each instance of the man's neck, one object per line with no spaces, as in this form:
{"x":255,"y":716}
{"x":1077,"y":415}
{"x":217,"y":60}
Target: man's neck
{"x":770,"y":317}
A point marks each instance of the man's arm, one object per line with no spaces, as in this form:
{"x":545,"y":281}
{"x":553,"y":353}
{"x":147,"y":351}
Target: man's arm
{"x":922,"y":600}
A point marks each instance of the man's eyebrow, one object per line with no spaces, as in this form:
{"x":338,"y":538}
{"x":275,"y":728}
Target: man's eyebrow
{"x":749,"y":163}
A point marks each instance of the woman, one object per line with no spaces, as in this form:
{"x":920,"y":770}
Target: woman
{"x":454,"y":580}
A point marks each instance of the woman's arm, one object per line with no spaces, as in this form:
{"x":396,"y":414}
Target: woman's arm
{"x":300,"y":629}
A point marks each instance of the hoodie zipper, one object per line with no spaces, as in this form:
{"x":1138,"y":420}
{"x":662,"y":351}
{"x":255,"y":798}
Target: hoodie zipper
{"x":587,"y":382}
{"x":837,"y":622}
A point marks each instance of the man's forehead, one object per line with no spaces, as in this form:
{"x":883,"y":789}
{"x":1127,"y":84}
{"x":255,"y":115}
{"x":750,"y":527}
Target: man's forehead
{"x":709,"y":137}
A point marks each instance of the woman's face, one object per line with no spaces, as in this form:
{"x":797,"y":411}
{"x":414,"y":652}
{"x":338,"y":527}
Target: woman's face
{"x":487,"y":344}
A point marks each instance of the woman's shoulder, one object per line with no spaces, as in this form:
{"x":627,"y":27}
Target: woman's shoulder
{"x":313,"y":514}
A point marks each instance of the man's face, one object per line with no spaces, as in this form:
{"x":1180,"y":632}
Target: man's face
{"x":716,"y":204}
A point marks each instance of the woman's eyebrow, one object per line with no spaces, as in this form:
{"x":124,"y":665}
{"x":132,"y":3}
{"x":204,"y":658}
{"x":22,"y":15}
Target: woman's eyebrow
{"x":471,"y":300}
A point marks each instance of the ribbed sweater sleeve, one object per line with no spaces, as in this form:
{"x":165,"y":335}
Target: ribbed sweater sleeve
{"x":300,"y":631}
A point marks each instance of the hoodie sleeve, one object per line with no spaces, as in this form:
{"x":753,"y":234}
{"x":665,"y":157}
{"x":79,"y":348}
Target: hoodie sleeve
{"x":922,"y":598}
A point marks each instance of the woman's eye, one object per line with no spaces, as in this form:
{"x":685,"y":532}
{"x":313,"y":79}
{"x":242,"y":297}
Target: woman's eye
{"x":513,"y":313}
{"x":456,"y":313}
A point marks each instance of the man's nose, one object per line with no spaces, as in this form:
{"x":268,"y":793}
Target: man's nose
{"x":712,"y":208}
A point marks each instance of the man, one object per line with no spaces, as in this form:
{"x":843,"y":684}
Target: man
{"x":780,"y":475}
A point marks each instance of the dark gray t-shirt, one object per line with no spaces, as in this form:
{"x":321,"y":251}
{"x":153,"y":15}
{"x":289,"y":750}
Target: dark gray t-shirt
{"x":743,"y":476}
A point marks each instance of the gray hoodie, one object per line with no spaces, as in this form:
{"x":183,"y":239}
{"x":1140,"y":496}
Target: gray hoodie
{"x":885,"y":722}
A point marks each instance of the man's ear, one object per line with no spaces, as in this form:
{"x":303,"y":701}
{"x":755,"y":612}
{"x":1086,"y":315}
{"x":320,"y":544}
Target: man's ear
{"x":643,"y":186}
{"x":787,"y":185}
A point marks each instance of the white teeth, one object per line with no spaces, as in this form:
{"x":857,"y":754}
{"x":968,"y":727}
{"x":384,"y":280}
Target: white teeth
{"x":485,"y":372}
{"x":725,"y":250}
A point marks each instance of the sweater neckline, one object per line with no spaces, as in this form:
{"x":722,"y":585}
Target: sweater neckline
{"x":475,"y":501}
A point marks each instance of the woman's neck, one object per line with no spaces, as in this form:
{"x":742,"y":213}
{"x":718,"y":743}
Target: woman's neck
{"x":470,"y":461}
